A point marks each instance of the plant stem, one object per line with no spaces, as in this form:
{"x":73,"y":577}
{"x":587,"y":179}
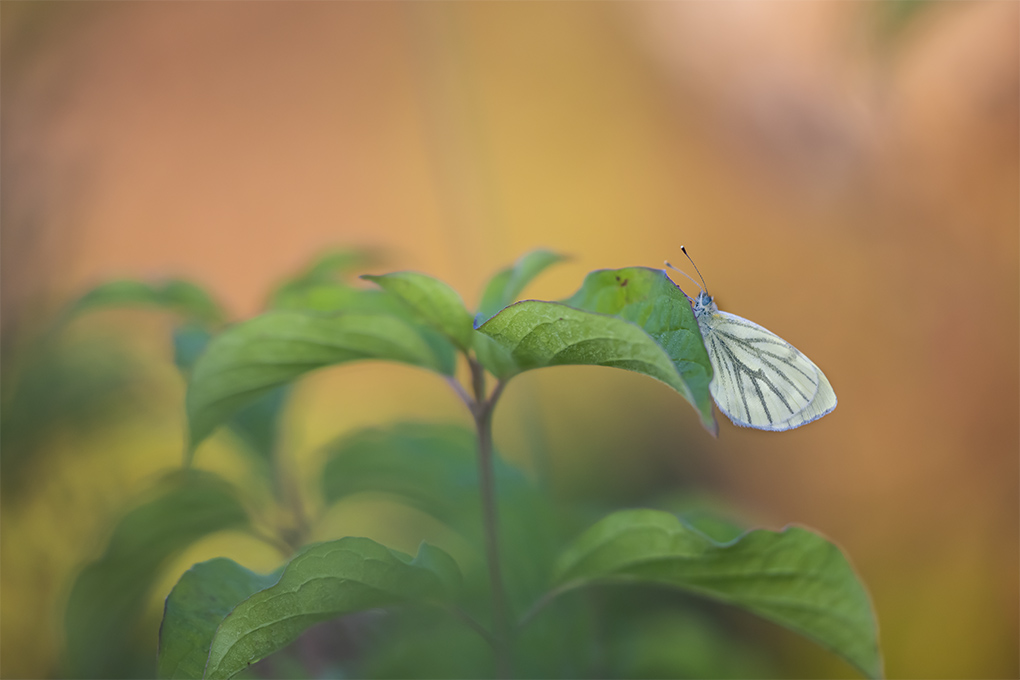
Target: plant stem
{"x":482,"y":412}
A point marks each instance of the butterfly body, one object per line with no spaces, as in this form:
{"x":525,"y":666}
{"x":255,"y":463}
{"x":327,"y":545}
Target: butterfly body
{"x":760,"y":380}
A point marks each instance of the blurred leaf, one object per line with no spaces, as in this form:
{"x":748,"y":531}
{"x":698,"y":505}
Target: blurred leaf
{"x":417,"y":644}
{"x":184,"y":297}
{"x":430,"y":466}
{"x":323,"y":273}
{"x":331,"y":298}
{"x":494,"y":357}
{"x":649,"y":299}
{"x":539,"y":334}
{"x":324,"y":582}
{"x":189,"y":340}
{"x":251,"y":358}
{"x":433,"y":301}
{"x":110,"y":594}
{"x":434,"y":468}
{"x":680,"y":644}
{"x":339,"y":297}
{"x":255,"y":424}
{"x":507,"y":284}
{"x":64,"y":387}
{"x":793,"y":577}
{"x":202,"y":598}
{"x":894,"y":16}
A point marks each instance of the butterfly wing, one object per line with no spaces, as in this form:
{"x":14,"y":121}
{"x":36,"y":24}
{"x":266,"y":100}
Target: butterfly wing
{"x":761,"y":380}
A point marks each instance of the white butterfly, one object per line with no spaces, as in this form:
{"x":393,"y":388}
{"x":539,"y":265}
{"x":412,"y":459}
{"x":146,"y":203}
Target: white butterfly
{"x":760,"y":380}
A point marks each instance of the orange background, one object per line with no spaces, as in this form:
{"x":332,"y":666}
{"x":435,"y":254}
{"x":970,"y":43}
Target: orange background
{"x":846,"y":178}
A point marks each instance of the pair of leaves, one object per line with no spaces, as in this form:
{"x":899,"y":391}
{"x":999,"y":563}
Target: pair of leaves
{"x":109,"y":594}
{"x":220,"y":617}
{"x":633,"y":318}
{"x":414,"y":319}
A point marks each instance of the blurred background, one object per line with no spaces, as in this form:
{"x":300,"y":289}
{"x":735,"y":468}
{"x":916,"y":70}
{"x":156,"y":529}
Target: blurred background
{"x":844,"y":173}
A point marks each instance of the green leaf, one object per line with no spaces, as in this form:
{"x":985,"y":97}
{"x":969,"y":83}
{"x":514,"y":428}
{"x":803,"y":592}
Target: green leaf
{"x":679,"y":643}
{"x":320,"y":280}
{"x":540,"y":334}
{"x":327,"y":581}
{"x":109,"y":595}
{"x":434,"y":468}
{"x":792,"y":577}
{"x":430,"y":466}
{"x":494,"y":357}
{"x":183,"y":297}
{"x":648,"y":298}
{"x":433,"y":301}
{"x":507,"y":284}
{"x":189,"y":340}
{"x":255,"y":424}
{"x":339,"y":297}
{"x":202,"y":598}
{"x":253,"y":357}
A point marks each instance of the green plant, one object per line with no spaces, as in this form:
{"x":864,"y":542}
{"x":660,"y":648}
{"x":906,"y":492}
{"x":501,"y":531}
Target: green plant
{"x":542,"y":587}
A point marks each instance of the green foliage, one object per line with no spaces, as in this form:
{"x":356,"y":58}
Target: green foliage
{"x":648,"y":298}
{"x":255,"y":423}
{"x":180,"y":296}
{"x":434,"y":302}
{"x":429,"y":466}
{"x":203,"y":597}
{"x":507,"y":284}
{"x":327,"y":269}
{"x":108,"y":595}
{"x":793,"y":577}
{"x":434,"y":468}
{"x":540,"y":334}
{"x":520,"y":578}
{"x":323,"y":582}
{"x":253,"y":357}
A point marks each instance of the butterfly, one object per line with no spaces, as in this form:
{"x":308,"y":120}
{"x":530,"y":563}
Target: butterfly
{"x":760,"y":380}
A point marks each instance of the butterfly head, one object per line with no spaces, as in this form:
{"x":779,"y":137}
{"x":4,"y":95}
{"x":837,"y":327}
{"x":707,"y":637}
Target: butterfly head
{"x":704,"y":304}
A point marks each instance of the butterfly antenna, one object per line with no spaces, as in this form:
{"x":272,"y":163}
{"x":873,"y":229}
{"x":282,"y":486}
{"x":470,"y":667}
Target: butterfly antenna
{"x":695,"y":268}
{"x":685,"y":274}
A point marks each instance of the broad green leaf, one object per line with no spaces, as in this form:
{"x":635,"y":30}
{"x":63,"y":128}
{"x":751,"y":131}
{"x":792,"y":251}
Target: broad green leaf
{"x":255,"y":356}
{"x":256,"y":423}
{"x":539,"y":334}
{"x":332,"y":298}
{"x":434,"y":468}
{"x":327,"y":581}
{"x":792,"y":577}
{"x":507,"y":284}
{"x":202,"y":598}
{"x":433,"y":301}
{"x":648,"y":298}
{"x":109,"y":595}
{"x":183,"y":297}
